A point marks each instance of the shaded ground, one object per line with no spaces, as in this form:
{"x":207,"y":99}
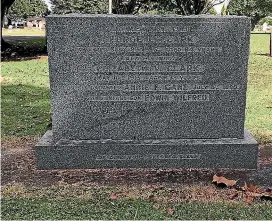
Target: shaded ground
{"x":23,"y":48}
{"x":21,"y":38}
{"x":18,"y":166}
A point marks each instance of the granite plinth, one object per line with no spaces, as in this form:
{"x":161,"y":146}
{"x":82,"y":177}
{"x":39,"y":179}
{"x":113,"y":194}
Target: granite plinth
{"x":147,"y":77}
{"x":168,"y":153}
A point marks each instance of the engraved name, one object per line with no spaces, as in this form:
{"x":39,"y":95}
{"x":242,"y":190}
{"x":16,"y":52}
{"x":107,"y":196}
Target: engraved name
{"x":136,"y":76}
{"x":148,"y":58}
{"x":142,"y":49}
{"x":149,"y":68}
{"x":152,"y":98}
{"x":153,"y":27}
{"x":155,"y":39}
{"x":163,"y":87}
{"x":149,"y":157}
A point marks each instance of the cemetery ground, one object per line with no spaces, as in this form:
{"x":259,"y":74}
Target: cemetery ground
{"x":123,"y":193}
{"x":23,"y":32}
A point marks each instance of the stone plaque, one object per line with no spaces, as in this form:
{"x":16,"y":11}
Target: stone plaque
{"x":127,"y":77}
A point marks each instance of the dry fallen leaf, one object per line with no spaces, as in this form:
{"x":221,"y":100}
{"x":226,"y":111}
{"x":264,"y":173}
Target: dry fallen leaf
{"x":222,"y":181}
{"x":233,"y":195}
{"x":113,"y":196}
{"x":170,"y":211}
{"x":249,"y":199}
{"x":253,"y":188}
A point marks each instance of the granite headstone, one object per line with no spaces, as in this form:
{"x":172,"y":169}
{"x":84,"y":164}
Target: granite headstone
{"x":147,"y":91}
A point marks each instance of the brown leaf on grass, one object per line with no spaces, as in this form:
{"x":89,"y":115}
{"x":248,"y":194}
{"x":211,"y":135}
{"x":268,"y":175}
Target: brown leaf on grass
{"x":233,"y":196}
{"x":223,"y":182}
{"x":249,"y":199}
{"x":254,"y":191}
{"x":170,"y":211}
{"x":113,"y":196}
{"x":253,"y":188}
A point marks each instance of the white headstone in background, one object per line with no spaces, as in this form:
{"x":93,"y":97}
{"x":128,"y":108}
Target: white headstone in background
{"x":265,"y":26}
{"x":29,"y":24}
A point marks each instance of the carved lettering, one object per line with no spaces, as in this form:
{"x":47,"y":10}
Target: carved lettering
{"x":149,"y":157}
{"x":162,"y":87}
{"x":153,"y":98}
{"x":149,"y":68}
{"x":152,"y":28}
{"x":137,"y":76}
{"x":143,"y":49}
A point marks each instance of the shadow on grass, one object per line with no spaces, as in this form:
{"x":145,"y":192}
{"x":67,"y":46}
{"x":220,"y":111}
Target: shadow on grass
{"x":263,"y":54}
{"x":25,"y":49}
{"x":25,"y":110}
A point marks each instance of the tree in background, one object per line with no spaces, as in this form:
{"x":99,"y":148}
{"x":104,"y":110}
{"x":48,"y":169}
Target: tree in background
{"x":22,"y":9}
{"x":212,"y":11}
{"x":181,"y":7}
{"x":5,"y":4}
{"x":256,"y":9}
{"x":265,"y":20}
{"x":80,"y":6}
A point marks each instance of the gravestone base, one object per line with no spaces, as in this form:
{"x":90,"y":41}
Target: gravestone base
{"x":167,"y":153}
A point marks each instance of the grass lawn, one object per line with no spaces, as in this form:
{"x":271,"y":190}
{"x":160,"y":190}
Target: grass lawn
{"x":23,"y":32}
{"x":259,"y":92}
{"x":38,"y":208}
{"x":25,"y":97}
{"x":81,"y":202}
{"x":26,"y":112}
{"x":38,"y":42}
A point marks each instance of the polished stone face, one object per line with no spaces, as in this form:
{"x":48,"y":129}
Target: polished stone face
{"x":148,"y":77}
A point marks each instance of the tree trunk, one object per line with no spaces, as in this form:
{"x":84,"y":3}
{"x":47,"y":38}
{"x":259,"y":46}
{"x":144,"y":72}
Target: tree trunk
{"x":5,"y":4}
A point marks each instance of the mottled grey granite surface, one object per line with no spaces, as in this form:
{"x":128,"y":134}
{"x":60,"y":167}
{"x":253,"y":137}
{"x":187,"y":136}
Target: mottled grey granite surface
{"x":148,"y":77}
{"x":177,"y":153}
{"x":147,"y":91}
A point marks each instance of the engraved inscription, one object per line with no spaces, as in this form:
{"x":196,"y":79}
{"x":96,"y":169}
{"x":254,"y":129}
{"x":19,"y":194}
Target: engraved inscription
{"x":152,"y":27}
{"x":155,"y":39}
{"x":152,"y":98}
{"x":137,"y":76}
{"x":144,"y":49}
{"x":162,"y":87}
{"x":149,"y":157}
{"x":148,"y":58}
{"x":150,"y":68}
{"x":155,"y":58}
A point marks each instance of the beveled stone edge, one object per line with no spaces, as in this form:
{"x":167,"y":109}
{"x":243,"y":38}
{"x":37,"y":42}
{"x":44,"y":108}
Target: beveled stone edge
{"x":47,"y":139}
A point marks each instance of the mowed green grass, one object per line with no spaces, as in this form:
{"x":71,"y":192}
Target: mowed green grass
{"x":26,"y":106}
{"x":23,"y":32}
{"x":259,"y":91}
{"x":72,"y":202}
{"x":39,"y":208}
{"x":34,"y":44}
{"x":25,"y":99}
